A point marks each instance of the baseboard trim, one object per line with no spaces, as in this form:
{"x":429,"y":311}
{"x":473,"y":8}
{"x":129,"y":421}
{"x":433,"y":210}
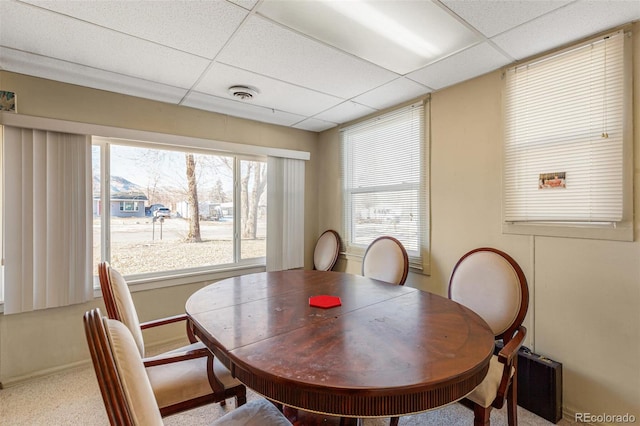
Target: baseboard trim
{"x":17,"y":380}
{"x":165,"y":345}
{"x":156,"y":347}
{"x":568,"y":414}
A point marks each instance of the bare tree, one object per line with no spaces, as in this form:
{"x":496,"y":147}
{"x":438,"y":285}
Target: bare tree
{"x":253,"y":181}
{"x":192,"y":200}
{"x":257,"y":171}
{"x":218,"y":194}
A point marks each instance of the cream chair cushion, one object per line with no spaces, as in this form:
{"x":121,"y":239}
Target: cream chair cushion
{"x":384,"y":261}
{"x":132,"y":374}
{"x":486,"y":283}
{"x":254,"y":413}
{"x":487,"y":390}
{"x":125,"y":307}
{"x":326,"y":251}
{"x":180,"y":381}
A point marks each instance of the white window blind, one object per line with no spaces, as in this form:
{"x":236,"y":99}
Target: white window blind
{"x":564,"y":136}
{"x":48,"y":221}
{"x":384,"y":177}
{"x":285,"y":218}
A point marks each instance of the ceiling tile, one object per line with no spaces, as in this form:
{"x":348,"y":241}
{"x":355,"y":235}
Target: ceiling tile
{"x":240,"y":109}
{"x":393,"y":93}
{"x":345,"y":112}
{"x":568,"y":24}
{"x":314,"y":125}
{"x":23,"y":28}
{"x":465,"y":65}
{"x":272,"y":93}
{"x":247,"y":4}
{"x":66,"y":72}
{"x":497,"y":16}
{"x":168,"y":23}
{"x":285,"y":55}
{"x":163,"y":50}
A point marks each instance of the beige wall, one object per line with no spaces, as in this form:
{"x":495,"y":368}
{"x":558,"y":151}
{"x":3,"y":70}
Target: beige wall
{"x":585,"y":304}
{"x":35,"y":343}
{"x":585,"y":293}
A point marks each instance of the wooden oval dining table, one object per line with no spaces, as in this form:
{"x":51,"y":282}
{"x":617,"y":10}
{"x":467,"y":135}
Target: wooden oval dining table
{"x":386,"y":351}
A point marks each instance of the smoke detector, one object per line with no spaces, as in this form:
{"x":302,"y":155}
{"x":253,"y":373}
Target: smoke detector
{"x":244,"y":93}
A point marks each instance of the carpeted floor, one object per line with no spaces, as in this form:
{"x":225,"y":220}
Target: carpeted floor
{"x":73,"y":398}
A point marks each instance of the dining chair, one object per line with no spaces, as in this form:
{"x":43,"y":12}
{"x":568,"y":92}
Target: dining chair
{"x":182,"y":378}
{"x":386,"y":260}
{"x":492,"y":284}
{"x":125,"y":387}
{"x":326,"y":251}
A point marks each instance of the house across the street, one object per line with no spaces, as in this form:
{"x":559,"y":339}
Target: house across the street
{"x":123,"y":204}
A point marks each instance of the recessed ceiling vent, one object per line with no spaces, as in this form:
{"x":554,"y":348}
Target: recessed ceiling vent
{"x":244,"y":93}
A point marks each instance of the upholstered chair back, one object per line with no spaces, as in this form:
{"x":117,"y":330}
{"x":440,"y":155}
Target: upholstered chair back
{"x":132,"y":375}
{"x":124,"y":307}
{"x":491,"y":283}
{"x":326,"y":251}
{"x":386,"y":260}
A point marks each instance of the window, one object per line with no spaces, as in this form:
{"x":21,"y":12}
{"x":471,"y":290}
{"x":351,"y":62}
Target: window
{"x":167,"y":210}
{"x":384,"y":171}
{"x":128,"y":206}
{"x":76,"y":187}
{"x":567,"y":149}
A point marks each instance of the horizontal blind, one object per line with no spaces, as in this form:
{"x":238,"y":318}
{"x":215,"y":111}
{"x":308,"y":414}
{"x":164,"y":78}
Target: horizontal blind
{"x":383,"y":176}
{"x":564,"y":136}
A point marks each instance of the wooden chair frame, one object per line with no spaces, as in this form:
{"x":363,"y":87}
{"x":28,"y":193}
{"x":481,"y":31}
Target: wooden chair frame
{"x":106,"y":371}
{"x":337,"y":251}
{"x":513,"y":337}
{"x":218,"y":394}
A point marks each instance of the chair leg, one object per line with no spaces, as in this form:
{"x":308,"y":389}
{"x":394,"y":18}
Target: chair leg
{"x":241,"y":399}
{"x":393,"y":421}
{"x":512,"y":405}
{"x":481,"y":415}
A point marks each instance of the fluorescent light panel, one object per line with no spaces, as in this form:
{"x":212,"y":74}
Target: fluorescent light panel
{"x":401,"y":36}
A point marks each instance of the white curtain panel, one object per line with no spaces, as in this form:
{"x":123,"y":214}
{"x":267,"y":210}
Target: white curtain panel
{"x":47,"y":219}
{"x":285,"y":215}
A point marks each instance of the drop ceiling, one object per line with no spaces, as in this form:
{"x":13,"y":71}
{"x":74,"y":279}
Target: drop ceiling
{"x":314,"y":64}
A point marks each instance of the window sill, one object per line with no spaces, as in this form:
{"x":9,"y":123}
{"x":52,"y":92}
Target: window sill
{"x":622,"y":231}
{"x":170,"y":280}
{"x":357,"y":257}
{"x":151,"y":283}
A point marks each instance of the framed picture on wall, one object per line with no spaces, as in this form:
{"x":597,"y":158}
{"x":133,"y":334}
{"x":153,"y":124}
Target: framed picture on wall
{"x":552,"y":180}
{"x":8,"y":101}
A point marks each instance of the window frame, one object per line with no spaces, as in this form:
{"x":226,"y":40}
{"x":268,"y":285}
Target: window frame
{"x":176,"y":276}
{"x":168,"y":140}
{"x":354,"y":251}
{"x":616,"y":231}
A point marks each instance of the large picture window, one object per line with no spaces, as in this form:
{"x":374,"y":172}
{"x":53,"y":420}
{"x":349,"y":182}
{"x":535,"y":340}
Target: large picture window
{"x":162,"y":209}
{"x":384,"y":174}
{"x":168,"y":210}
{"x":565,"y":156}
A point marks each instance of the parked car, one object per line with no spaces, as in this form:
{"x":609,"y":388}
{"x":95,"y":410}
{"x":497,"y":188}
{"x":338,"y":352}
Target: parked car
{"x":151,"y":210}
{"x":162,"y":212}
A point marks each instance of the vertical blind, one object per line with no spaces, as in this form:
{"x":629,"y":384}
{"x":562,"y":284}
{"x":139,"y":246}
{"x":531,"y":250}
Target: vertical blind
{"x":285,"y":215}
{"x":47,"y":219}
{"x":383,"y":172}
{"x":564,"y":136}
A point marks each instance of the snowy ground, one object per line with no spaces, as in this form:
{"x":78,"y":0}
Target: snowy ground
{"x":139,"y":245}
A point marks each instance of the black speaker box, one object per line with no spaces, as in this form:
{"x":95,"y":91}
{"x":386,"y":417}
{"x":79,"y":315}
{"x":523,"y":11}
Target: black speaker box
{"x":539,"y":384}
